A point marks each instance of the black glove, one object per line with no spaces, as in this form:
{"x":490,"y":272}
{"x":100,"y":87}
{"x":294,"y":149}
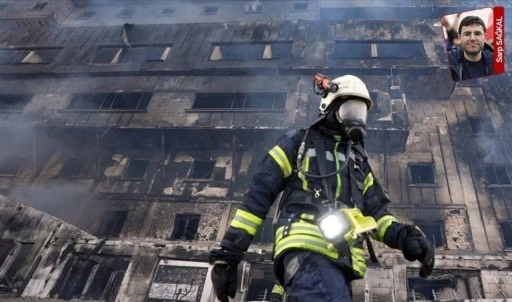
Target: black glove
{"x":224,"y":273}
{"x":415,"y":246}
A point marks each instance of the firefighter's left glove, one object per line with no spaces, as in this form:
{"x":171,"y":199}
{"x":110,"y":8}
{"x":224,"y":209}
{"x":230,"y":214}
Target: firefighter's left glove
{"x":224,"y":273}
{"x":415,"y":246}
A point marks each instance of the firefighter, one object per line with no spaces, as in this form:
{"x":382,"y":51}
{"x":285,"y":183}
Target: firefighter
{"x":331,"y":201}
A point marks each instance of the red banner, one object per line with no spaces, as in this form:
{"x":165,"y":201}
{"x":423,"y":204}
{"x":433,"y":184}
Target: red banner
{"x":499,"y":39}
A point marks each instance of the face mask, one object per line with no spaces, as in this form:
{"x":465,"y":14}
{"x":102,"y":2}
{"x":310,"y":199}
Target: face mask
{"x":352,"y":115}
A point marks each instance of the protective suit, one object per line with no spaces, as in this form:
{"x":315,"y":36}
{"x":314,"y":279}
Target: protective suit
{"x":321,"y":170}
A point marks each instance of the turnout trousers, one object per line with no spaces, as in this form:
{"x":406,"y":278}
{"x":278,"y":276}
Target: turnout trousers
{"x":310,"y":277}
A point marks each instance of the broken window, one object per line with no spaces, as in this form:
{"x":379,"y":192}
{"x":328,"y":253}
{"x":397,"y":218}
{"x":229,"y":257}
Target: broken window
{"x":86,"y":14}
{"x":251,"y":51}
{"x":135,"y":101}
{"x":261,"y":283}
{"x":239,"y":101}
{"x":11,"y":165}
{"x":379,"y":49}
{"x":254,"y":7}
{"x":72,"y":167}
{"x":497,"y":175}
{"x":136,"y":169}
{"x":126,"y":13}
{"x":300,"y":6}
{"x":481,"y":125}
{"x":39,"y":5}
{"x":91,"y":277}
{"x":443,"y":286}
{"x":211,"y":10}
{"x":434,"y":230}
{"x":422,"y":174}
{"x":180,"y":281}
{"x":13,"y":255}
{"x":506,"y":231}
{"x":185,"y":226}
{"x":113,"y":224}
{"x":265,"y":233}
{"x":134,"y":54}
{"x":28,"y":56}
{"x":202,"y":169}
{"x":14,"y":102}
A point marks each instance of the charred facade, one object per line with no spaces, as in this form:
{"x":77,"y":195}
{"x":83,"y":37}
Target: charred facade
{"x":130,"y":133}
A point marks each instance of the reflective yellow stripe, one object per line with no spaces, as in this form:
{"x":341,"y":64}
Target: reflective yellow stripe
{"x":246,"y":221}
{"x":282,"y":160}
{"x":278,"y":289}
{"x":358,"y":261}
{"x":302,"y":228}
{"x":368,"y":182}
{"x":338,"y":176}
{"x":307,"y":216}
{"x":305,"y":167}
{"x":382,"y":225}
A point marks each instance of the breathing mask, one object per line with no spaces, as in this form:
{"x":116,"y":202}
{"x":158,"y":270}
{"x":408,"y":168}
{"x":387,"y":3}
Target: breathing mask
{"x":351,"y":115}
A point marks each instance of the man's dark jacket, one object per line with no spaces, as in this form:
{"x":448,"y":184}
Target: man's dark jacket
{"x":456,"y":55}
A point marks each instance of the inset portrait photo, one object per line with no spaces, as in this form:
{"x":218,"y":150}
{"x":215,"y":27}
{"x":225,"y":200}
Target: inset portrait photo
{"x":474,"y":43}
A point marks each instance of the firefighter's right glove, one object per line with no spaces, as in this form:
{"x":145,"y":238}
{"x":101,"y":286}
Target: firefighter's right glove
{"x":415,"y":246}
{"x":224,"y":273}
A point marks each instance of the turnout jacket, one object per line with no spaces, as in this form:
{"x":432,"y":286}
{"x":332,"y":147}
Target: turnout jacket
{"x":296,"y":225}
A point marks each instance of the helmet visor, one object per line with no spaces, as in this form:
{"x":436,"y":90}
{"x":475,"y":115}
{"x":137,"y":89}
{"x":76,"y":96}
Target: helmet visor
{"x":352,"y":110}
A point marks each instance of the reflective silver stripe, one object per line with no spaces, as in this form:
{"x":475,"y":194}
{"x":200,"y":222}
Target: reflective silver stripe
{"x":311,"y":152}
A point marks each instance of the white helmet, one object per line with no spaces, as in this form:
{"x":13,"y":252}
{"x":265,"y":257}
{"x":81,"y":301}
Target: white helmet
{"x":348,"y":85}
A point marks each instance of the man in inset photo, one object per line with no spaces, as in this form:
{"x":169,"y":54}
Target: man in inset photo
{"x":473,"y":58}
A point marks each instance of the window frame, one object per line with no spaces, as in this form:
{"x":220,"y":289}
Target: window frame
{"x":374,"y":46}
{"x":136,"y":178}
{"x":264,"y":48}
{"x":210,"y":10}
{"x":111,"y":215}
{"x":109,"y":97}
{"x":427,"y":224}
{"x":25,"y":53}
{"x":188,"y":217}
{"x":497,"y":185}
{"x":193,"y":167}
{"x":410,"y":178}
{"x":234,"y":98}
{"x":122,"y":53}
{"x":507,"y":244}
{"x":484,"y":122}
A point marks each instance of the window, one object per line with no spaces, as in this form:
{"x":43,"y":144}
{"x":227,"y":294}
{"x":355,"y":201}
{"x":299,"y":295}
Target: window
{"x":239,"y":101}
{"x":434,"y":230}
{"x":185,"y":226}
{"x":95,"y":277}
{"x":301,"y":6}
{"x":72,"y":167}
{"x":202,"y":169}
{"x":11,"y":165}
{"x":135,"y":101}
{"x":422,"y":174}
{"x":135,"y":54}
{"x":262,"y":281}
{"x":481,"y":125}
{"x":506,"y":231}
{"x":379,"y":49}
{"x":180,"y":281}
{"x":497,"y":175}
{"x":39,"y":5}
{"x":126,"y":13}
{"x":443,"y":286}
{"x":28,"y":56}
{"x":168,"y":11}
{"x":3,"y":5}
{"x":251,"y":51}
{"x":113,"y":223}
{"x":14,"y":102}
{"x":136,"y":169}
{"x":265,"y":233}
{"x":13,"y":255}
{"x":86,"y":14}
{"x":211,"y":10}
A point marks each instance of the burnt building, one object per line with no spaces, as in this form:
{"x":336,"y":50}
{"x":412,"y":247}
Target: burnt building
{"x":130,"y":129}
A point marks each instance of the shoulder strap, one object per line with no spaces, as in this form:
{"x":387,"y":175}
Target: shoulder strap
{"x":322,"y":167}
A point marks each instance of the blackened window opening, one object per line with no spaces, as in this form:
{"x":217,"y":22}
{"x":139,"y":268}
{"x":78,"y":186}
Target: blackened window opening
{"x":497,"y":175}
{"x":14,"y":102}
{"x":72,"y":167}
{"x":202,"y":169}
{"x":481,"y":125}
{"x":422,"y":174}
{"x":260,"y":287}
{"x":168,"y":11}
{"x":113,"y":223}
{"x":134,"y":54}
{"x":11,"y":165}
{"x":185,"y":226}
{"x":434,"y":231}
{"x":136,"y":169}
{"x":506,"y":231}
{"x":39,"y":5}
{"x":240,"y":101}
{"x":379,"y":49}
{"x":136,"y":101}
{"x":19,"y":254}
{"x":425,"y":290}
{"x":86,"y":14}
{"x":211,"y":10}
{"x":300,"y":6}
